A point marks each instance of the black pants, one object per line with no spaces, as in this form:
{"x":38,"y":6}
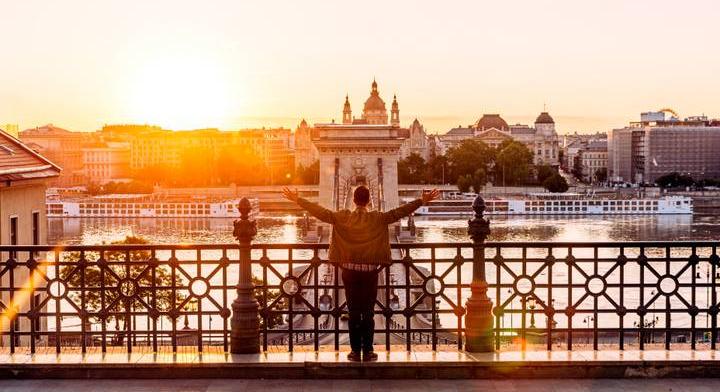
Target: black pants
{"x":361,"y":292}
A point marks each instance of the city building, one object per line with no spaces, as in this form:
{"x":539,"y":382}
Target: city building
{"x":12,"y":130}
{"x":417,"y":142}
{"x":360,"y":151}
{"x":593,"y":158}
{"x":62,"y":147}
{"x":24,"y":176}
{"x":305,"y":151}
{"x":166,"y":148}
{"x":572,"y":143}
{"x":493,"y":130}
{"x":125,"y":132}
{"x":646,"y":150}
{"x":374,"y":110}
{"x":106,"y":161}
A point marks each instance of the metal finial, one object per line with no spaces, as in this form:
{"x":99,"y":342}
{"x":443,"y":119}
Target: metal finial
{"x":244,"y":207}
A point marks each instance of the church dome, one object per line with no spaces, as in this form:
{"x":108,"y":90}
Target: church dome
{"x":544,"y":118}
{"x":374,"y":102}
{"x":488,"y":121}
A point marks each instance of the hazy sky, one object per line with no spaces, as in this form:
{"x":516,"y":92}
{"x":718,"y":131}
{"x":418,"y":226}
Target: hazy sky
{"x":231,"y":64}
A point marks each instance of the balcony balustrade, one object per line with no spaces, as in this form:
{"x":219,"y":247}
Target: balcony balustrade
{"x":247,"y":297}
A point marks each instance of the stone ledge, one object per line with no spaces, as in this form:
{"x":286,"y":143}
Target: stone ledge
{"x":440,"y":365}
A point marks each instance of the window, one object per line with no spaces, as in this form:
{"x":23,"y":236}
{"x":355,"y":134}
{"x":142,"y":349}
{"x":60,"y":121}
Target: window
{"x":36,"y":228}
{"x":13,"y":234}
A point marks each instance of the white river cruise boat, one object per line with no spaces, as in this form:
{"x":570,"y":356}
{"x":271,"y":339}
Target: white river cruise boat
{"x":144,"y":206}
{"x":564,"y":204}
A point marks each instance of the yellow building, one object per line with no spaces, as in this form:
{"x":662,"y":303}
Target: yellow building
{"x":62,"y":147}
{"x":167,"y":148}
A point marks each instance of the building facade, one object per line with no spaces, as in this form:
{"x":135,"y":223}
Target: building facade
{"x":24,"y":176}
{"x":105,"y":162}
{"x":416,"y":142}
{"x":647,"y":150}
{"x":360,"y":151}
{"x":305,"y":151}
{"x":62,"y":147}
{"x":593,"y":158}
{"x":542,"y":139}
{"x":166,"y":148}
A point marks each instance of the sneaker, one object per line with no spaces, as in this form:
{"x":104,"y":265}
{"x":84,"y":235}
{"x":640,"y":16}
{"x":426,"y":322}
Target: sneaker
{"x":370,"y":356}
{"x":354,"y":356}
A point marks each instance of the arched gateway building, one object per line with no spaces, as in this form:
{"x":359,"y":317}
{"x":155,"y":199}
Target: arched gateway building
{"x":360,"y":151}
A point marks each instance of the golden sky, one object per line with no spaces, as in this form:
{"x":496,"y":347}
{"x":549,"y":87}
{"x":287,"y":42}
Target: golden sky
{"x":231,"y":64}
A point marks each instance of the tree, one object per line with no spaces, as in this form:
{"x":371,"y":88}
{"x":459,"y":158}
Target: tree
{"x":308,"y":175}
{"x":436,"y":170}
{"x":159,"y":174}
{"x":115,"y":278}
{"x":273,"y":319}
{"x":512,"y":165}
{"x":464,"y":183}
{"x":241,"y":166}
{"x":561,"y":158}
{"x":674,"y":179}
{"x":544,"y":172}
{"x":555,"y":183}
{"x":112,"y":187}
{"x":577,"y":169}
{"x":467,"y":157}
{"x":479,"y":179}
{"x":411,"y":170}
{"x":198,"y":166}
{"x":601,"y":174}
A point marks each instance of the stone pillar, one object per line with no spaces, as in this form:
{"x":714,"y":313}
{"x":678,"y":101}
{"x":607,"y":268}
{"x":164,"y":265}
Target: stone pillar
{"x":245,"y":324}
{"x":478,"y":320}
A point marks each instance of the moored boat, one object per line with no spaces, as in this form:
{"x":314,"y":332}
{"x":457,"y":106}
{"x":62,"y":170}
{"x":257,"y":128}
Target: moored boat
{"x":564,"y":204}
{"x":143,"y":206}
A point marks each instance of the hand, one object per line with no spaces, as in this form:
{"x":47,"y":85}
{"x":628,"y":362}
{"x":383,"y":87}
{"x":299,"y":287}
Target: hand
{"x":290,"y":195}
{"x":427,"y":197}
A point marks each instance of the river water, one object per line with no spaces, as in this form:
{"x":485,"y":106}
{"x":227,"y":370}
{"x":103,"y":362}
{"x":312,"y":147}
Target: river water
{"x":281,"y":228}
{"x":285,"y":228}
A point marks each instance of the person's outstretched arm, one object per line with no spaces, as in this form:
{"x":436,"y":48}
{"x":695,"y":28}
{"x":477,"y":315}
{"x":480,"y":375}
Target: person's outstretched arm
{"x":314,"y":209}
{"x":407,"y":209}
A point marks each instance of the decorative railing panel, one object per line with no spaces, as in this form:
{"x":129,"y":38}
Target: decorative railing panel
{"x":549,"y":295}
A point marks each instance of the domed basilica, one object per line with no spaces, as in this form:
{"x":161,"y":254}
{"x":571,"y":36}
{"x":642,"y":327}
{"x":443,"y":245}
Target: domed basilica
{"x":374,"y":111}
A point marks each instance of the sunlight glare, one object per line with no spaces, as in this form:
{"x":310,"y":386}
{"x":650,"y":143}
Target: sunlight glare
{"x":180,"y":94}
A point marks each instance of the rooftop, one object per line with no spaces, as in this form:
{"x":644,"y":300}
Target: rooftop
{"x":20,"y":162}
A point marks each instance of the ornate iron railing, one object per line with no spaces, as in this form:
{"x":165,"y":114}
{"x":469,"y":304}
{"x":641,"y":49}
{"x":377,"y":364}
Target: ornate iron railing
{"x":555,"y":294}
{"x":249,"y":297}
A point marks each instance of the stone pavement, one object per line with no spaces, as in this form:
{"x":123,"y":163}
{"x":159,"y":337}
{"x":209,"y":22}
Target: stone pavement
{"x":391,"y":365}
{"x":225,"y":385}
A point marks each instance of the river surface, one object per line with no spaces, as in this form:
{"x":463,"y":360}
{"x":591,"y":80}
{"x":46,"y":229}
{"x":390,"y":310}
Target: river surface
{"x":286,"y":229}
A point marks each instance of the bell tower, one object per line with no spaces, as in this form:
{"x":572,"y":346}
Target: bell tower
{"x":347,"y":113}
{"x":395,"y":113}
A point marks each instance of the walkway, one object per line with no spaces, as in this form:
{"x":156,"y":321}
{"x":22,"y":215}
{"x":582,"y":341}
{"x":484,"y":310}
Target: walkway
{"x":393,"y":365}
{"x":224,"y":385}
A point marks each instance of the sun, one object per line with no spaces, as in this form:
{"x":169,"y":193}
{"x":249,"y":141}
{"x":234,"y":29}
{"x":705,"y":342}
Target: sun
{"x":180,"y":94}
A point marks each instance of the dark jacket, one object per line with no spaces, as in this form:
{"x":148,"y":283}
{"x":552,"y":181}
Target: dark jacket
{"x":360,"y":236}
